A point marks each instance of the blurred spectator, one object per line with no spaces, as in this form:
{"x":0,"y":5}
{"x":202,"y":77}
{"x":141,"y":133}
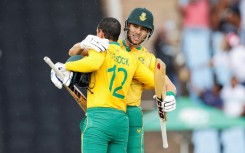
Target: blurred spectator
{"x":220,"y":63}
{"x":233,"y":95}
{"x":224,"y":18}
{"x":195,"y":43}
{"x":167,"y":53}
{"x":243,"y":112}
{"x":237,"y":57}
{"x":225,"y":15}
{"x":230,"y":60}
{"x":195,"y":13}
{"x":207,"y":140}
{"x":242,"y":23}
{"x":211,"y":97}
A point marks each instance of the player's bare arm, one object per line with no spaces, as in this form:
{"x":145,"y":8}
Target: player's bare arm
{"x":76,"y":50}
{"x":170,"y":86}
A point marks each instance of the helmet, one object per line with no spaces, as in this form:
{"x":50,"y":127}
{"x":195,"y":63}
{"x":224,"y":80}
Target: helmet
{"x":74,"y":58}
{"x":80,"y":79}
{"x":142,"y":17}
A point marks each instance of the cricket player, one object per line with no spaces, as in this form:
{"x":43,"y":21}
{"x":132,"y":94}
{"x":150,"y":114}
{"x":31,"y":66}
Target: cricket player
{"x":138,"y":27}
{"x":106,"y":126}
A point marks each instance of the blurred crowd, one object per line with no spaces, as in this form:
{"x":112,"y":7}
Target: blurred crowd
{"x":208,"y":65}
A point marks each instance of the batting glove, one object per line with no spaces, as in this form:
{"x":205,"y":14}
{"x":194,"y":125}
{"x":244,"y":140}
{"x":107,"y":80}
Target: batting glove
{"x":57,"y":81}
{"x":96,"y":43}
{"x":168,"y":104}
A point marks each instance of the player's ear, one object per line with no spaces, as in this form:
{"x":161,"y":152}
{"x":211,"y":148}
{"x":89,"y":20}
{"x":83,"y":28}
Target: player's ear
{"x":100,"y":33}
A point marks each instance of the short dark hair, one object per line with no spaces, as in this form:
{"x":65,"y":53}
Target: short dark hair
{"x":111,"y":28}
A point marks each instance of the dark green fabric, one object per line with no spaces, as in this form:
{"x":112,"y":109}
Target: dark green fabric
{"x":74,"y":58}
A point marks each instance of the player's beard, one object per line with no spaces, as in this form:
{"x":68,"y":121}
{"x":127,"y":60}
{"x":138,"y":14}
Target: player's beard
{"x":131,"y":43}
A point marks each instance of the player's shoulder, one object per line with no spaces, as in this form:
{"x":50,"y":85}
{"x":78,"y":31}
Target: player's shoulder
{"x":114,"y":43}
{"x":120,"y":41}
{"x":123,"y":45}
{"x":146,"y":52}
{"x":114,"y":46}
{"x":117,"y":49}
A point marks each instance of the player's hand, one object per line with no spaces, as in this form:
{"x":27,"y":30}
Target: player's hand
{"x":168,"y":104}
{"x":95,"y":42}
{"x":57,"y":81}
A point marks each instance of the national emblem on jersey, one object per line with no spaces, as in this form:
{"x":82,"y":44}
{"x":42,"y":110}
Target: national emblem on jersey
{"x":142,"y":16}
{"x":138,"y":130}
{"x":141,"y":59}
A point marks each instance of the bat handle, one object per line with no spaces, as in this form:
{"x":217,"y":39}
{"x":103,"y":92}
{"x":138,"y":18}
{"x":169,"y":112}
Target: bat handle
{"x":164,"y":133}
{"x":52,"y":66}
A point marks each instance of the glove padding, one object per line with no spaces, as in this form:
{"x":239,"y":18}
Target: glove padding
{"x":94,"y":42}
{"x":57,"y":81}
{"x":168,"y":104}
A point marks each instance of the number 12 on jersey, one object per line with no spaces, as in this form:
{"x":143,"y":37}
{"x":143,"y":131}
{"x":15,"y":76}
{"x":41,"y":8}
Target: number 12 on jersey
{"x":116,"y":74}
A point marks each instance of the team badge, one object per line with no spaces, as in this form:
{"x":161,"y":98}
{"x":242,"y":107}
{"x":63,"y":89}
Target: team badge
{"x":142,"y":16}
{"x":141,"y":59}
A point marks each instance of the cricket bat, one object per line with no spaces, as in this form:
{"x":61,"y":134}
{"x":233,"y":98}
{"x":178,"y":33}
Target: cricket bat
{"x":160,"y":91}
{"x":74,"y":90}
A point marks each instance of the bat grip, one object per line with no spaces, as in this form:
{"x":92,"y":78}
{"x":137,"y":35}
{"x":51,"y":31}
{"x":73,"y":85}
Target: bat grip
{"x":164,"y":133}
{"x":52,"y":66}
